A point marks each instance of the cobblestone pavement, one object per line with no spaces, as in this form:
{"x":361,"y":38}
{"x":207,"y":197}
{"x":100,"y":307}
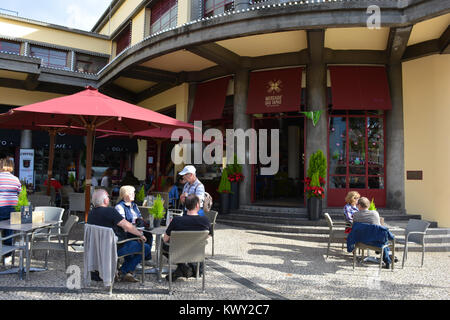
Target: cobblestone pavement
{"x":254,"y":265}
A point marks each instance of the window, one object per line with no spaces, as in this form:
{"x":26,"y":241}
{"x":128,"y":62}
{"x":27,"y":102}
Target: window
{"x":123,"y":39}
{"x":163,"y":15}
{"x":357,"y":153}
{"x":50,"y":57}
{"x":89,"y":64}
{"x":213,"y":7}
{"x":9,"y":46}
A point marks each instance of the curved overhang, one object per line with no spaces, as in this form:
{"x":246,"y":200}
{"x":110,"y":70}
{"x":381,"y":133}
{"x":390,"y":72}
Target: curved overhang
{"x":265,"y":19}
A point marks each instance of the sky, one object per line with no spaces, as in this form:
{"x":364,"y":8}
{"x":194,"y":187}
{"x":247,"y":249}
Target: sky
{"x":78,"y":14}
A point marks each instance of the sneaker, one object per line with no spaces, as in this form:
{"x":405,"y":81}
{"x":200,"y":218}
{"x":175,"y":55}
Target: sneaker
{"x":95,"y":276}
{"x":175,"y":275}
{"x":128,"y":278}
{"x":386,"y":266}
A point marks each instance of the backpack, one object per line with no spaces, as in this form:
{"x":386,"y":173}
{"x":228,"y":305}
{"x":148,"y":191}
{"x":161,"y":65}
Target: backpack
{"x":208,"y":202}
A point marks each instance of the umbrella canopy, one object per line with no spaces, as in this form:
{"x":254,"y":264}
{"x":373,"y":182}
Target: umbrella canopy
{"x":91,"y":111}
{"x":88,"y":108}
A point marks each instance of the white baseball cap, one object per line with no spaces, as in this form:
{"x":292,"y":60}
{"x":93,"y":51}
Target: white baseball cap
{"x":187,"y":169}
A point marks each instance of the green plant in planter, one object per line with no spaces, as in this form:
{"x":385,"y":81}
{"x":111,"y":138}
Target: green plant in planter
{"x":372,"y":206}
{"x":23,"y":200}
{"x":140,"y":196}
{"x":157,"y":210}
{"x":315,"y":175}
{"x":224,"y":185}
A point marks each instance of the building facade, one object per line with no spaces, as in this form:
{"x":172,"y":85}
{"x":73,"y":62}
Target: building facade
{"x":378,"y":73}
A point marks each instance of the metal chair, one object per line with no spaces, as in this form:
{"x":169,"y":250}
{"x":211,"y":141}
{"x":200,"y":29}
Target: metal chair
{"x":104,"y":233}
{"x":50,"y":214}
{"x":5,"y":249}
{"x":414,"y":233}
{"x":186,"y":247}
{"x":363,"y":246}
{"x":173,"y":213}
{"x":63,"y":240}
{"x":212,"y":215}
{"x":76,"y":202}
{"x":336,"y":236}
{"x":38,"y":200}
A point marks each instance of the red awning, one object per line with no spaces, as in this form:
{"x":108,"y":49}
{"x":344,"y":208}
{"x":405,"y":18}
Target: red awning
{"x":275,"y":91}
{"x":210,"y":100}
{"x":359,"y":88}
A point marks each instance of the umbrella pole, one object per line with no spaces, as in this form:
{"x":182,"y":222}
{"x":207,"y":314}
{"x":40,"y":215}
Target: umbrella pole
{"x":51,"y":157}
{"x":158,"y":161}
{"x":87,"y":189}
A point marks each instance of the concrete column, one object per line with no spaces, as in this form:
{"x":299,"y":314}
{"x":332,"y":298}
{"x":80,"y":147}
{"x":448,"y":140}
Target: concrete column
{"x":241,"y":120}
{"x":241,"y":4}
{"x":316,"y":97}
{"x":394,"y":142}
{"x":26,"y":139}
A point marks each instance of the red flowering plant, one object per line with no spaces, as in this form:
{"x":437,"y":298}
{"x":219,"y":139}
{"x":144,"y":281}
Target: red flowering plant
{"x":235,"y":171}
{"x":314,"y":186}
{"x":315,"y":181}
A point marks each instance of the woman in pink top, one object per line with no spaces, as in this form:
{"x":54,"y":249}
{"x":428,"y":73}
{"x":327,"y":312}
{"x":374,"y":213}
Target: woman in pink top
{"x":10,"y":189}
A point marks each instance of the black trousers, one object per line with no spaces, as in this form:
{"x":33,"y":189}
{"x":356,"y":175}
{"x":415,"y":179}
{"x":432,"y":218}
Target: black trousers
{"x":183,"y":267}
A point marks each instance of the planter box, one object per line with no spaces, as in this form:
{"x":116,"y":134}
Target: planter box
{"x":314,"y":206}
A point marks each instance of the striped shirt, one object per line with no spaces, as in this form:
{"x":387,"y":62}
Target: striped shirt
{"x":10,"y":188}
{"x":196,"y":188}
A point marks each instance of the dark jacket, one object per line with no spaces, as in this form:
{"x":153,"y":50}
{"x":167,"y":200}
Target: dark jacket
{"x":370,"y":234}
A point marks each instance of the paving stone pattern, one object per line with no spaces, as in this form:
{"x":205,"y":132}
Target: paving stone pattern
{"x":254,"y":265}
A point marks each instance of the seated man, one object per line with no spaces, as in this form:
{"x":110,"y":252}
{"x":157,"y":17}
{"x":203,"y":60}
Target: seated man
{"x":105,"y":216}
{"x":364,"y":215}
{"x":190,"y":222}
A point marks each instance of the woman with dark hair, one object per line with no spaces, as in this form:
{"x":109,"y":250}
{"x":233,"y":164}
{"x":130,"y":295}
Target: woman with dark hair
{"x":106,"y":178}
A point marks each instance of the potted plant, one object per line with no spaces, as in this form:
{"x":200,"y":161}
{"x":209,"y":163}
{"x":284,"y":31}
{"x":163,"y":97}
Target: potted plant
{"x":23,"y":200}
{"x":140,"y":196}
{"x":157,"y":211}
{"x":315,"y":183}
{"x":235,"y":176}
{"x":224,"y":190}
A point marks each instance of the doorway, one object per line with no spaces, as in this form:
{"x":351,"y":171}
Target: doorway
{"x":285,"y":188}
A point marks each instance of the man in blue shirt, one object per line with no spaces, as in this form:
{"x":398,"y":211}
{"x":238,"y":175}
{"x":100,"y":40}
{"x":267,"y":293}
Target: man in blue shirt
{"x":192,"y":186}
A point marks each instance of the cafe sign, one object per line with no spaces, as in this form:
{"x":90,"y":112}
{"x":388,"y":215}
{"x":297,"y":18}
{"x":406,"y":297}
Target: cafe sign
{"x":26,"y":166}
{"x":275,"y":91}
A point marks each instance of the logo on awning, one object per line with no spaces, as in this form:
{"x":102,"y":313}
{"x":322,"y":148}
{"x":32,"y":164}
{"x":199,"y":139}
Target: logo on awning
{"x":274,"y":87}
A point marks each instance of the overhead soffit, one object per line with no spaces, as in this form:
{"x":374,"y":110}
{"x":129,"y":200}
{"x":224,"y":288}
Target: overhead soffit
{"x":429,"y":29}
{"x":356,"y":38}
{"x":13,"y":75}
{"x":133,"y":85}
{"x":179,"y":61}
{"x":267,"y":44}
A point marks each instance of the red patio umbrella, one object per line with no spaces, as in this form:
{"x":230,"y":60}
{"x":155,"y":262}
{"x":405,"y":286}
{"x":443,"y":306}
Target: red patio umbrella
{"x":92,"y":111}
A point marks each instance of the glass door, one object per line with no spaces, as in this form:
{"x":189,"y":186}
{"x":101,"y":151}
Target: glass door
{"x":356,"y":156}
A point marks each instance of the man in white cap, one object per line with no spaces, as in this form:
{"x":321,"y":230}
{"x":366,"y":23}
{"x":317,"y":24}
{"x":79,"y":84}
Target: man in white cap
{"x":192,"y":186}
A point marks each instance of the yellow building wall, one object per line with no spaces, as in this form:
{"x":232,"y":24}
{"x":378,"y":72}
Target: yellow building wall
{"x":426,"y":105}
{"x":35,"y":32}
{"x":177,"y":96}
{"x":17,"y":97}
{"x":137,"y":27}
{"x":184,"y":12}
{"x":120,"y":16}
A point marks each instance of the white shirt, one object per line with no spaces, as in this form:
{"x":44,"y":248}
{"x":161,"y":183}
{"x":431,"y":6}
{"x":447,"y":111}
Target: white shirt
{"x":105,"y":182}
{"x":121,"y":210}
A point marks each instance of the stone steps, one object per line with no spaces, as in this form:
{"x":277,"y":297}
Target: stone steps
{"x":295,"y":221}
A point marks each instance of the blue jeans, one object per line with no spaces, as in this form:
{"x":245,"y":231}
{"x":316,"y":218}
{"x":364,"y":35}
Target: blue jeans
{"x":132,"y":261}
{"x":5,"y":214}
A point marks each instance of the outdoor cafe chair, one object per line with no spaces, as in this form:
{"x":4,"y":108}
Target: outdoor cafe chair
{"x":363,"y":247}
{"x":335,"y":235}
{"x":38,"y":200}
{"x":212,"y":215}
{"x":62,"y":235}
{"x":5,"y":249}
{"x":95,"y":237}
{"x":76,"y":202}
{"x":50,"y":214}
{"x":414,"y":233}
{"x":186,"y":247}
